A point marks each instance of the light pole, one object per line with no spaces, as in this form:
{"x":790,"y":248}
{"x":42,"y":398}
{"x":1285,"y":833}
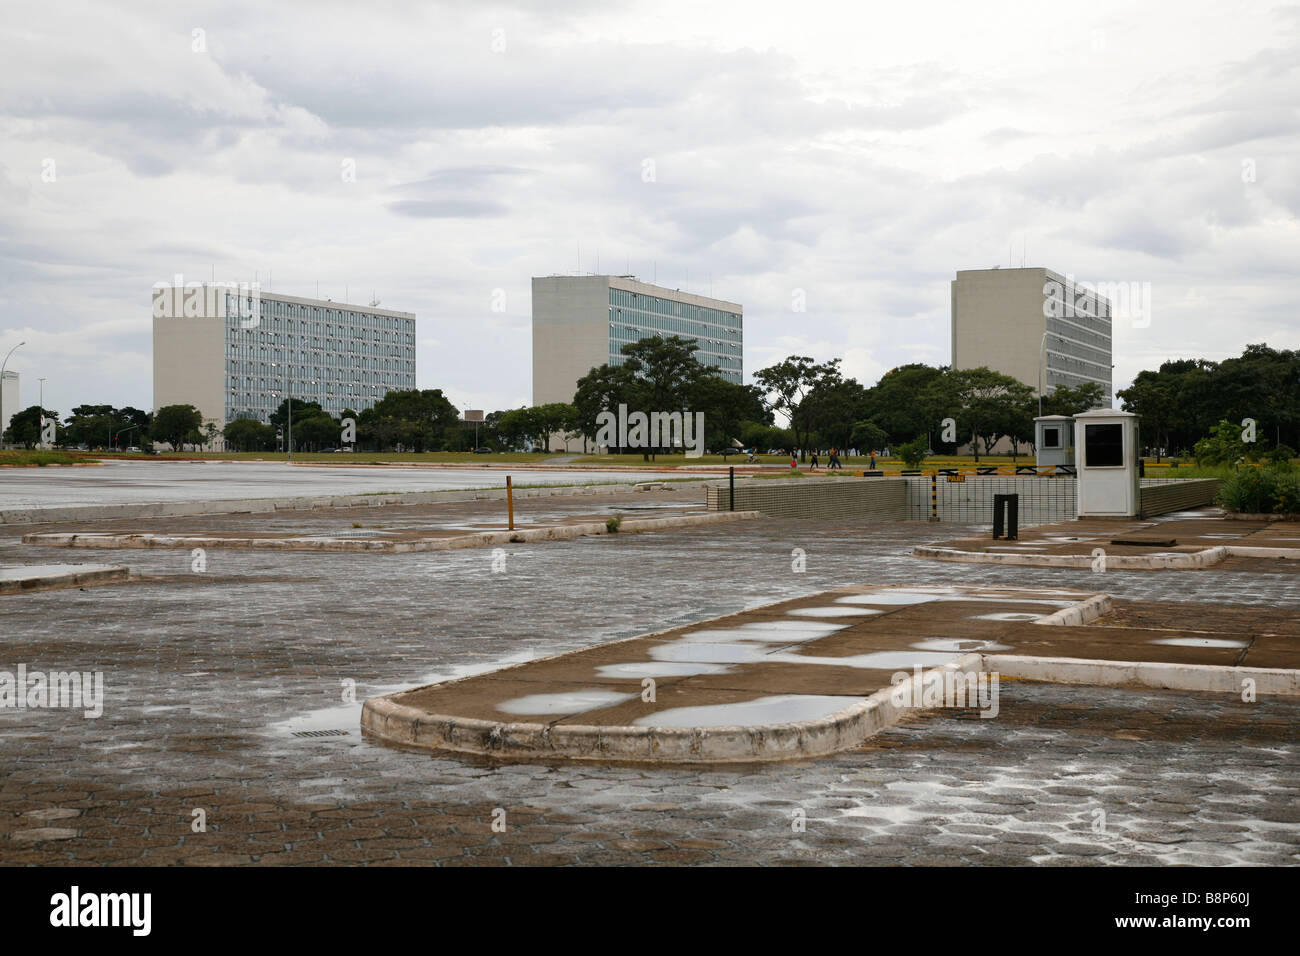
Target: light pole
{"x":1,"y":386}
{"x":41,"y":404}
{"x":1042,"y":353}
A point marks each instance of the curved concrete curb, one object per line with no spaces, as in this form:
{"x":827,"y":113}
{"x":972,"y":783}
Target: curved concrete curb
{"x":1085,"y":612}
{"x":479,"y":540}
{"x":189,"y":509}
{"x":97,"y":574}
{"x":409,"y":726}
{"x":1208,"y":678}
{"x":1191,"y":561}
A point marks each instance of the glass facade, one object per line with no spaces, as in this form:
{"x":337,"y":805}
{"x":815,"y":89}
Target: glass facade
{"x":342,"y":356}
{"x":718,"y":333}
{"x":1079,"y":345}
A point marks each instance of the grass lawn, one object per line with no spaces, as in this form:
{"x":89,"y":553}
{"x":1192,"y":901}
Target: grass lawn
{"x":39,"y":459}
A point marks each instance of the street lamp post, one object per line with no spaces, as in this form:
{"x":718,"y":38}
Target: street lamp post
{"x":2,"y":387}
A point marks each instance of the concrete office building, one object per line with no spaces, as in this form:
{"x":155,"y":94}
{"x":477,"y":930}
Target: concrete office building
{"x":1011,"y":319}
{"x":9,"y":399}
{"x":580,"y":322}
{"x":236,"y":352}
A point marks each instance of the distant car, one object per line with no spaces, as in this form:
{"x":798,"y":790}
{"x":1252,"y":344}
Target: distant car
{"x":483,"y":451}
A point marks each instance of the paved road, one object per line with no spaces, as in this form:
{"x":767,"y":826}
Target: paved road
{"x":207,"y":675}
{"x":124,"y":482}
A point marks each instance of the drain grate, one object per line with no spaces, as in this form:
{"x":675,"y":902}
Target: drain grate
{"x":322,"y":733}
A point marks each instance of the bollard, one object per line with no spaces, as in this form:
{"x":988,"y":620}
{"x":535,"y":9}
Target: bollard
{"x":1009,"y":526}
{"x":510,"y":503}
{"x":934,"y":497}
{"x":732,"y":482}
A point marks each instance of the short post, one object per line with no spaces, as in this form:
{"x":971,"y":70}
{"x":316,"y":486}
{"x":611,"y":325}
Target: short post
{"x":1006,"y":517}
{"x":732,"y":482}
{"x":934,"y":496}
{"x":510,"y":503}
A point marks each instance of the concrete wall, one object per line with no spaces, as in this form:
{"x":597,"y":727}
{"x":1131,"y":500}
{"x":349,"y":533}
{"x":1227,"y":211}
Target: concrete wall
{"x":570,"y":333}
{"x":998,"y":321}
{"x":10,"y":398}
{"x":1042,"y":500}
{"x":189,"y":358}
{"x":875,"y":498}
{"x":1163,"y":495}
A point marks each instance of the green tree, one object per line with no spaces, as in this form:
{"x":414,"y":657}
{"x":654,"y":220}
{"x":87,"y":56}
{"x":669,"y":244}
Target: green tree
{"x":787,"y":385}
{"x":25,"y":426}
{"x":248,"y":434}
{"x":176,"y":424}
{"x":987,"y":405}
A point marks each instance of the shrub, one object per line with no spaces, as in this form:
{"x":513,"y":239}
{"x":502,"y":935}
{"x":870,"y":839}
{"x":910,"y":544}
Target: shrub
{"x":613,"y":524}
{"x":913,"y":453}
{"x":1261,"y":491}
{"x":1222,"y":446}
{"x":1281,"y":455}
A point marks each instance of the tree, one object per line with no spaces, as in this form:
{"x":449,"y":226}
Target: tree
{"x":248,"y":434}
{"x":175,"y":424}
{"x":907,"y":401}
{"x":987,"y":404}
{"x":868,"y":436}
{"x":726,"y":406}
{"x":415,"y":419}
{"x":25,"y":426}
{"x":787,"y":385}
{"x":833,"y":407}
{"x":602,"y":389}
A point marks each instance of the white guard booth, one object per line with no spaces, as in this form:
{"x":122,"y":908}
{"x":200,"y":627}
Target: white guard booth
{"x":1054,"y":440}
{"x":1105,"y":452}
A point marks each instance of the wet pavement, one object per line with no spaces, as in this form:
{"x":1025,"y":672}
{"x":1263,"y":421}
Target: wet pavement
{"x":137,"y":482}
{"x":209,"y":674}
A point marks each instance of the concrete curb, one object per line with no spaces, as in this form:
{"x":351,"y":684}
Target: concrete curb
{"x":189,"y":509}
{"x":1209,"y":678}
{"x":408,"y":726}
{"x":69,"y":579}
{"x":479,"y":540}
{"x":1079,"y":614}
{"x":1192,"y":561}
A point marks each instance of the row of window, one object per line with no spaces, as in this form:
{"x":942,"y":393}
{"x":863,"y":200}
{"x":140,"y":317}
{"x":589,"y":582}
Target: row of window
{"x":670,"y":307}
{"x":274,"y":312}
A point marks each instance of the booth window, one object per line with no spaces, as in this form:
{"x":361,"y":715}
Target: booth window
{"x":1051,"y":438}
{"x":1104,"y":445}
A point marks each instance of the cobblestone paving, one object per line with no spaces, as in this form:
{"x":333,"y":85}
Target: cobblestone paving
{"x":208,"y":675}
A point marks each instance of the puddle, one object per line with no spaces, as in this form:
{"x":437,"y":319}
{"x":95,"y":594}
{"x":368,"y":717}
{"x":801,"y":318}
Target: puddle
{"x":1007,"y":616}
{"x":574,"y":702}
{"x":23,"y":572}
{"x":708,"y":653}
{"x":660,"y":669}
{"x":833,"y":611}
{"x":886,"y":597}
{"x":760,"y":632}
{"x":1200,"y":642}
{"x":781,"y":709}
{"x":349,"y":715}
{"x":962,"y":647}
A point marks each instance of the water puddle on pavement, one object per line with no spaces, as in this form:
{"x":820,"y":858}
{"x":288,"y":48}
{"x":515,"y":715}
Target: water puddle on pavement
{"x":572,"y":702}
{"x":1200,"y":642}
{"x":833,"y":611}
{"x":780,"y":709}
{"x":347,"y":716}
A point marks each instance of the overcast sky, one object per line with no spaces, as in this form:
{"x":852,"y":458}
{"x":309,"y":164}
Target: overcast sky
{"x":861,"y":153}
